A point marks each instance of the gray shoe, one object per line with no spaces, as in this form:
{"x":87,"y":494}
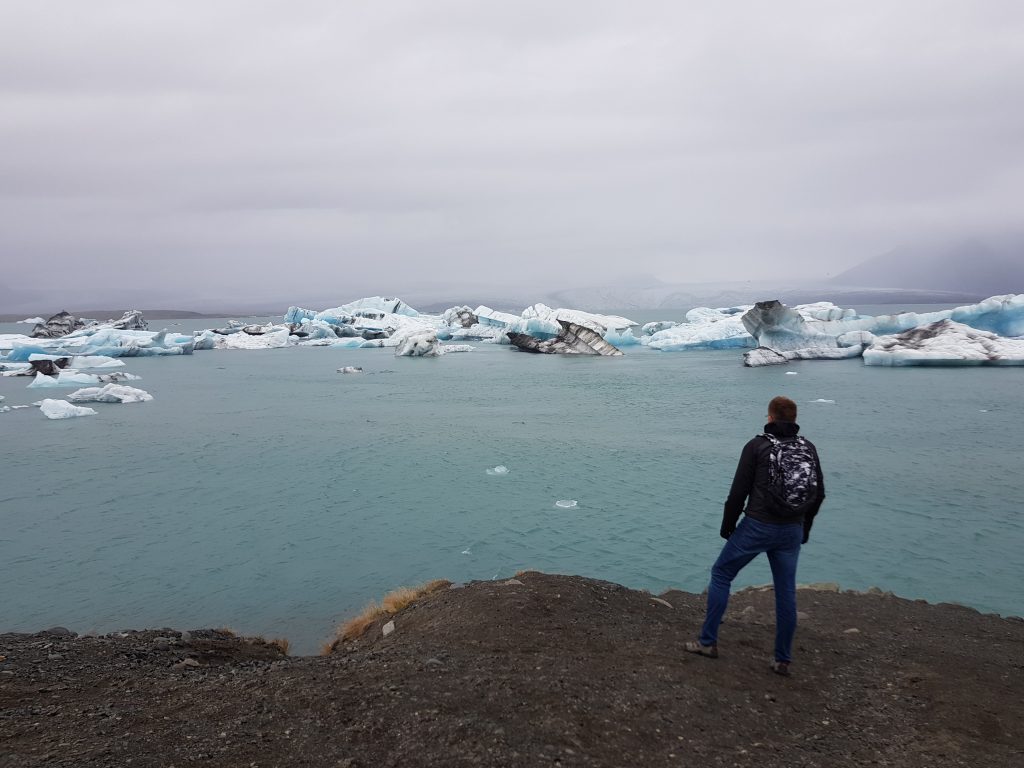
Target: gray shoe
{"x":694,"y":646}
{"x":779,"y":667}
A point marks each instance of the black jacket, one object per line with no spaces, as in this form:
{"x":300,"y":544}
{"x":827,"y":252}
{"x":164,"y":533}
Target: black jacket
{"x":750,"y":484}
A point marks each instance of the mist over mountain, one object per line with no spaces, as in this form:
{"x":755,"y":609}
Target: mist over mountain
{"x":973,"y":266}
{"x":961,"y":272}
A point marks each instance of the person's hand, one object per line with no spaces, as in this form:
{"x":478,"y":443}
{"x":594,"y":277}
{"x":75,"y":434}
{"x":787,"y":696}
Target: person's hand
{"x":726,"y":531}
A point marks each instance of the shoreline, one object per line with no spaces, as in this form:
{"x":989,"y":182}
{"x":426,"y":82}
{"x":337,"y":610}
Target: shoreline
{"x":538,"y":669}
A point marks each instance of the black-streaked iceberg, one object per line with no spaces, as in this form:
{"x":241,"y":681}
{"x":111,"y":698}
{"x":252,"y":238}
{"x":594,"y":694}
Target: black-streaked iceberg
{"x":945,"y":343}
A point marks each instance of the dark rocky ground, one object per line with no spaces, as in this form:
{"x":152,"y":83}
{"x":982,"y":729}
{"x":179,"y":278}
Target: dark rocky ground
{"x":555,"y":670}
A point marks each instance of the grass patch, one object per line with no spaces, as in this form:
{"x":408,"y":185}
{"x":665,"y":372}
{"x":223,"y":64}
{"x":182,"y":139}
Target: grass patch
{"x":392,"y":603}
{"x":282,"y":643}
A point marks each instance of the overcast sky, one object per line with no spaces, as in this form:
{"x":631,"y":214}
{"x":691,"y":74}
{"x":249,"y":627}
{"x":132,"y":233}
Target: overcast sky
{"x":265,"y":147}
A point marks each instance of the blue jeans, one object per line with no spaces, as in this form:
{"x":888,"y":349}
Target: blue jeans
{"x":751,"y":538}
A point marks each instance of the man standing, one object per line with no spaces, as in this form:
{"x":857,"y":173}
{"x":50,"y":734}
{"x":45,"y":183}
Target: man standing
{"x":779,"y":477}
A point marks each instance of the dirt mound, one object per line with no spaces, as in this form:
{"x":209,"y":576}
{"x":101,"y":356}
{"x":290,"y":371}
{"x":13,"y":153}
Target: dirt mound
{"x":537,"y":670}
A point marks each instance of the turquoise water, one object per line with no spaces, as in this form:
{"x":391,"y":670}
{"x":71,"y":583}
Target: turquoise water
{"x":265,"y":492}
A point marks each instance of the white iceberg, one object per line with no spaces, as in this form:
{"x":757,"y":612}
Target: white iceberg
{"x":110,"y":393}
{"x":446,"y":348}
{"x":271,"y":340}
{"x":501,"y":469}
{"x":946,"y":343}
{"x":350,"y":369}
{"x":542,"y":322}
{"x":32,"y":321}
{"x":62,"y":409}
{"x":423,"y":344}
{"x":493,"y":317}
{"x":705,"y":328}
{"x":42,"y":380}
{"x":95,"y":361}
{"x":649,"y":329}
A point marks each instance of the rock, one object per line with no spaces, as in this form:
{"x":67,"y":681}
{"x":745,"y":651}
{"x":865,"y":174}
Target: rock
{"x":659,"y":601}
{"x":432,"y":662}
{"x":58,"y":632}
{"x":388,"y":628}
{"x":851,"y":631}
{"x":749,"y":613}
{"x":801,"y":616}
{"x":161,"y":643}
{"x":513,"y":583}
{"x":185,"y":664}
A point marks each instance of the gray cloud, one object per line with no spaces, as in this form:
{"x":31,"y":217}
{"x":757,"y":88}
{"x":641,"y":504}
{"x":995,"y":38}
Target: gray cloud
{"x":266,"y":146}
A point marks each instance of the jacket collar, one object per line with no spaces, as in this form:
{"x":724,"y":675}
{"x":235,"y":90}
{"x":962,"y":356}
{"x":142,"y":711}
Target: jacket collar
{"x":782,"y":429}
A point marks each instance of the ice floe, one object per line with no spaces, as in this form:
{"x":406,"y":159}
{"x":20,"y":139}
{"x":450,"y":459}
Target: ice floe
{"x":110,"y":393}
{"x":501,"y":469}
{"x":62,"y":409}
{"x":32,"y":321}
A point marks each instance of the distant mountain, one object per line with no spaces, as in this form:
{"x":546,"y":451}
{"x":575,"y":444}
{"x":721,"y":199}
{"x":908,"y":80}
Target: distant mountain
{"x":972,"y":266}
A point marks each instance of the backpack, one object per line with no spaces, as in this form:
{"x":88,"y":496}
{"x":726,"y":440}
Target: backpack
{"x":792,"y":475}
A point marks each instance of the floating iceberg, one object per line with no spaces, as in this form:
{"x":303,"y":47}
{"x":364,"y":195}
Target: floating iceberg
{"x":419,"y":345}
{"x":350,"y":369}
{"x":501,"y":469}
{"x":32,"y":321}
{"x":945,"y":342}
{"x":543,"y":322}
{"x":824,"y":331}
{"x":462,"y":317}
{"x":493,"y":317}
{"x":446,"y":348}
{"x":766,"y":356}
{"x":573,"y":339}
{"x":344,"y":315}
{"x":270,"y":340}
{"x":62,"y":409}
{"x":705,"y":328}
{"x":95,"y":361}
{"x":64,"y":323}
{"x":110,"y":393}
{"x":649,"y":329}
{"x":566,"y":503}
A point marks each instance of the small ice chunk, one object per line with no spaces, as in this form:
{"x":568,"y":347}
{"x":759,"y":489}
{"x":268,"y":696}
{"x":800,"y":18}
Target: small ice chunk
{"x":42,"y":380}
{"x":791,"y":373}
{"x":350,"y":369}
{"x":62,"y":409}
{"x":501,"y":469}
{"x":823,"y":400}
{"x":110,"y":393}
{"x":32,"y":320}
{"x":446,"y":348}
{"x":566,"y":503}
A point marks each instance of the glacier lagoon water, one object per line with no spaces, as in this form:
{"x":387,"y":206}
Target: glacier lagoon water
{"x":264,"y":491}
